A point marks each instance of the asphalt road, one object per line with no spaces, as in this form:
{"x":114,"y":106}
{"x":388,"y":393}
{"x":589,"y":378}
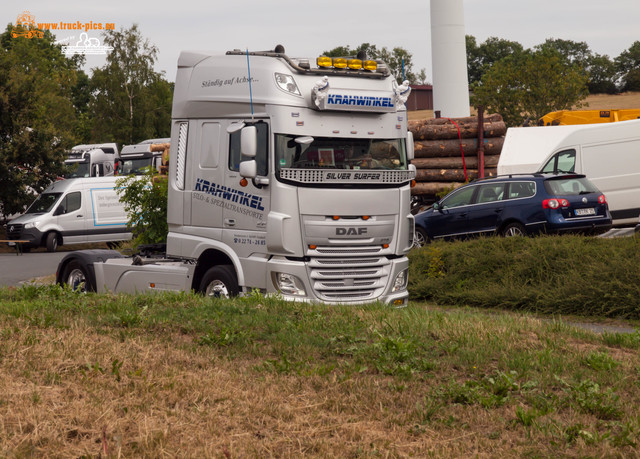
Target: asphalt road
{"x":14,"y":270}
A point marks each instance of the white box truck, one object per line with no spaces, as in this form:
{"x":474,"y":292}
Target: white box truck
{"x":608,"y":154}
{"x":283,"y":177}
{"x":72,"y":211}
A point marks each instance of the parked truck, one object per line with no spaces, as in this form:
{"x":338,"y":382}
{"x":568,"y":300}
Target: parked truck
{"x":95,"y":160}
{"x":608,"y":154}
{"x":136,"y":159}
{"x":283,"y":177}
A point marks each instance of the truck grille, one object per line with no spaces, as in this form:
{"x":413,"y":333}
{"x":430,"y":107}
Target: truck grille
{"x":349,"y":279}
{"x":327,"y":176}
{"x":14,"y":230}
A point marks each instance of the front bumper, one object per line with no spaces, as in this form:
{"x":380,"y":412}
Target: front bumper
{"x":347,"y":289}
{"x":33,"y":235}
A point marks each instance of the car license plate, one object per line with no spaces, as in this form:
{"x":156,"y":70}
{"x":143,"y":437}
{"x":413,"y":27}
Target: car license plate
{"x":583,"y":212}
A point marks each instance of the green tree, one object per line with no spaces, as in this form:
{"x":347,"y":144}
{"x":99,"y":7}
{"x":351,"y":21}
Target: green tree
{"x":37,"y":115}
{"x":145,"y":201}
{"x":602,"y":75}
{"x":399,"y":60}
{"x":572,"y":51}
{"x":627,"y":64}
{"x":526,"y":86}
{"x":131,"y":101}
{"x":481,"y":57}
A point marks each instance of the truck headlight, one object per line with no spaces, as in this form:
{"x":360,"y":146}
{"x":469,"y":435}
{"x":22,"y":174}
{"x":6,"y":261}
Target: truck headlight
{"x":401,"y":281}
{"x":30,"y":225}
{"x":289,"y":284}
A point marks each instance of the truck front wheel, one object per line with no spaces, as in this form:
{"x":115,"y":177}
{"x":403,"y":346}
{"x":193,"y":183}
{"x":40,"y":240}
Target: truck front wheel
{"x":220,"y":281}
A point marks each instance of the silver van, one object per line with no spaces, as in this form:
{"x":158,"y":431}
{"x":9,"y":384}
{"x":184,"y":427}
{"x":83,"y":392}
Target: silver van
{"x":72,"y":211}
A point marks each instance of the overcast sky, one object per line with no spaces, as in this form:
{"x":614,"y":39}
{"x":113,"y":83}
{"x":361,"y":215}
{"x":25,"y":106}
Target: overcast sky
{"x":306,"y":28}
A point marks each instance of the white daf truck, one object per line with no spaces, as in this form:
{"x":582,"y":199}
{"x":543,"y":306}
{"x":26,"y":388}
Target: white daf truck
{"x":283,"y":177}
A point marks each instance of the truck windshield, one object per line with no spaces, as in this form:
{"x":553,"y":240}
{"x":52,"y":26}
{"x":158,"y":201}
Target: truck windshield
{"x":338,"y":153}
{"x":136,"y":166}
{"x":78,"y":170}
{"x":43,"y":203}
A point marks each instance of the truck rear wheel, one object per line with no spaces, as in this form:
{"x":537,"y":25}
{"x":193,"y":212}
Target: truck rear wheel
{"x":76,"y":275}
{"x":220,"y":282}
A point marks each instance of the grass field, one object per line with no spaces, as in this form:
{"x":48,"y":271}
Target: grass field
{"x":181,"y":375}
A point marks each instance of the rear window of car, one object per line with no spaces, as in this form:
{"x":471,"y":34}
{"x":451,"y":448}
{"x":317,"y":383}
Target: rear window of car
{"x":571,"y":186}
{"x":521,"y":190}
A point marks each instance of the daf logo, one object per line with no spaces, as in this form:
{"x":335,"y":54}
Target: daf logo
{"x":351,"y":231}
{"x":584,"y":200}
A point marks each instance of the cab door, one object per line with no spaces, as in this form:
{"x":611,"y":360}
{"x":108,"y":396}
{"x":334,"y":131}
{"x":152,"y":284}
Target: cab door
{"x":247,"y":204}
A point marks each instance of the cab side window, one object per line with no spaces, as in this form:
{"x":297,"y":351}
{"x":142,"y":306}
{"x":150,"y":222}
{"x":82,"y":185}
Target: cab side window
{"x":564,"y":161}
{"x":70,"y":203}
{"x":235,"y":157}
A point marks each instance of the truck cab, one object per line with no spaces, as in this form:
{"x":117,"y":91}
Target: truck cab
{"x":95,"y":160}
{"x":136,"y":159}
{"x":285,"y":177}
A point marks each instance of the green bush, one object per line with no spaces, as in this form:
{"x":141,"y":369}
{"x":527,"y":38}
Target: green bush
{"x":145,"y":201}
{"x":552,"y":274}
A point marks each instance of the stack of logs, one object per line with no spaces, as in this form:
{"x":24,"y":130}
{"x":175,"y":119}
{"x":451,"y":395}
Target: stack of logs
{"x":439,"y":147}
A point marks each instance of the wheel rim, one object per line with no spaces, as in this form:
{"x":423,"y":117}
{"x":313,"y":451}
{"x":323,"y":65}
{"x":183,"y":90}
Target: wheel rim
{"x":418,"y":239}
{"x":514,"y":231}
{"x":217,"y":289}
{"x":77,"y":280}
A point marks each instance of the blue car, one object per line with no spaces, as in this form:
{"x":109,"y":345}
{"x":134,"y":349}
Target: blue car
{"x":516,"y":205}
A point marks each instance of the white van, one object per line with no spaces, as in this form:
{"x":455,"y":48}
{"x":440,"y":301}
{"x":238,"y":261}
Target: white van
{"x":72,"y":211}
{"x":608,"y":154}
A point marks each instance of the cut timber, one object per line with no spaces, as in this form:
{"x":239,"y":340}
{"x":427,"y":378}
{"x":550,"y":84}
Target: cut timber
{"x":493,"y":118}
{"x":434,"y":187}
{"x":450,"y":131}
{"x":470,"y":162}
{"x":450,"y":175}
{"x":451,"y":147}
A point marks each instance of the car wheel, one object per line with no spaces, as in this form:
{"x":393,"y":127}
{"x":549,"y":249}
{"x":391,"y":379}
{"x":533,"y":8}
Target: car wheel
{"x":420,"y":238}
{"x":52,"y":242}
{"x":76,"y":276}
{"x":514,"y":229}
{"x":220,"y":282}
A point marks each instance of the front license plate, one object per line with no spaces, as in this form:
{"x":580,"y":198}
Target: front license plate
{"x":583,"y":212}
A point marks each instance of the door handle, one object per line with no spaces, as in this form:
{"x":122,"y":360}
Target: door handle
{"x":499,"y":210}
{"x":229,"y":222}
{"x":78,"y":216}
{"x":462,"y":215}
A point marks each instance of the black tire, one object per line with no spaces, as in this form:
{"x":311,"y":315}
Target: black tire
{"x":52,"y":242}
{"x":220,"y":282}
{"x":77,"y":276}
{"x":514,"y":229}
{"x":420,"y":238}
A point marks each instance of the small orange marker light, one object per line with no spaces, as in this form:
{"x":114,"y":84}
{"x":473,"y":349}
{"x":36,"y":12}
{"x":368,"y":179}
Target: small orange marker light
{"x":385,"y":246}
{"x":313,"y":246}
{"x":336,"y":217}
{"x":365,"y":217}
{"x":413,"y":183}
{"x":244,"y":182}
{"x":152,"y":285}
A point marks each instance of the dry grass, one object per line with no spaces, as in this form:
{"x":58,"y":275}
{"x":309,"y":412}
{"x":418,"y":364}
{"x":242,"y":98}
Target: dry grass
{"x":78,"y":388}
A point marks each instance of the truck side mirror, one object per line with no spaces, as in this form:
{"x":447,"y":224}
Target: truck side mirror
{"x":249,"y":141}
{"x":249,"y":169}
{"x":410,"y":148}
